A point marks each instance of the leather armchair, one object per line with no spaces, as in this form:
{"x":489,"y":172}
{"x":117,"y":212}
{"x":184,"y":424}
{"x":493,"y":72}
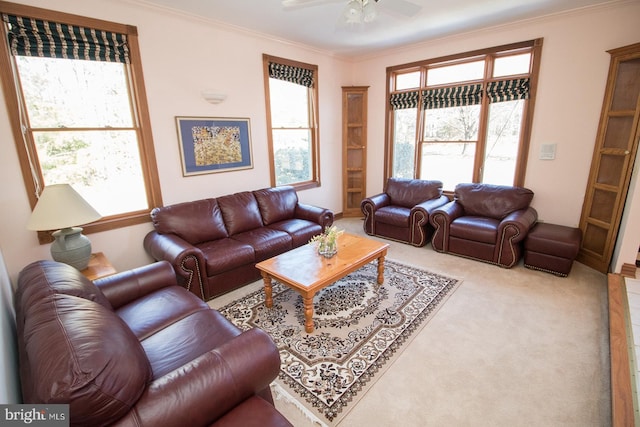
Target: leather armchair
{"x":136,"y":349}
{"x":485,"y":222}
{"x":402,"y":211}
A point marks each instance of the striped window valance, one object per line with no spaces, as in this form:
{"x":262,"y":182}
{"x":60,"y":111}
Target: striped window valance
{"x":298,"y":75}
{"x":508,"y":90}
{"x":452,"y":96}
{"x":403,"y":100}
{"x":35,"y":37}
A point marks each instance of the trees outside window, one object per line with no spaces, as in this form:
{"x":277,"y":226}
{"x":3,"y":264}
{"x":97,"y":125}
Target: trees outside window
{"x":463,"y":118}
{"x":292,"y":121}
{"x":78,"y":111}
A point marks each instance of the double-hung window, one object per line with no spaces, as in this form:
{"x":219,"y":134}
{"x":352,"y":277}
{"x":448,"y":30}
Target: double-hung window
{"x":291,"y":93}
{"x":76,"y":99}
{"x":464,"y":118}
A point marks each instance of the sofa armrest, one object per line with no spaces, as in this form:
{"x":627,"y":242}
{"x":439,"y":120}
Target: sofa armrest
{"x":369,"y":206}
{"x":520,"y":222}
{"x":511,"y":232}
{"x":419,"y":220}
{"x":206,"y":388}
{"x":376,"y":202}
{"x":432,"y":204}
{"x":321,"y":216}
{"x":440,"y":219}
{"x":187,"y":260}
{"x":122,"y":288}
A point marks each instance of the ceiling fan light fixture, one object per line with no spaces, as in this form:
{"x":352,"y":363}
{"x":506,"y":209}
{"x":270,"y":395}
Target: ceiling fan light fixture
{"x":368,"y":11}
{"x":353,"y":12}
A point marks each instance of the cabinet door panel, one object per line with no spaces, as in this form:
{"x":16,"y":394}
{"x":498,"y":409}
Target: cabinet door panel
{"x":612,"y":161}
{"x":354,"y":148}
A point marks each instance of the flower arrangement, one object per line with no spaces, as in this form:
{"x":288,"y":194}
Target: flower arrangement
{"x":327,"y":241}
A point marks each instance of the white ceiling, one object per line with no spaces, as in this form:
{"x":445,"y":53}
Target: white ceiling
{"x":318,"y":25}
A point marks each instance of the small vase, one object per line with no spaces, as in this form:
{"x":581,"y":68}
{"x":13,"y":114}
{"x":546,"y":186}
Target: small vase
{"x":327,"y":249}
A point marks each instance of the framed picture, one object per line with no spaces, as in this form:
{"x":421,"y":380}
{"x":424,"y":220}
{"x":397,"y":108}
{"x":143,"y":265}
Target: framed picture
{"x":214,"y":144}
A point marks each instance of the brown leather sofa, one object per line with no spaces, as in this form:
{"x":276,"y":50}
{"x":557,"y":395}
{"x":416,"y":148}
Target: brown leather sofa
{"x":485,"y":222}
{"x":214,"y":244}
{"x":135,"y":349}
{"x":402,"y":211}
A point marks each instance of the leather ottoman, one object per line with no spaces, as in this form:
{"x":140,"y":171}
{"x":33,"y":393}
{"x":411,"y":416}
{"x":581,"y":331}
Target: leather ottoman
{"x":552,"y":248}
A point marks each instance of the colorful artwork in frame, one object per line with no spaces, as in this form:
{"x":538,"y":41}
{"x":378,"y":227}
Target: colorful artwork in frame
{"x":214,"y":144}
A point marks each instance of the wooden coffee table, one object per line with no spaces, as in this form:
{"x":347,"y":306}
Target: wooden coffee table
{"x":304,"y":270}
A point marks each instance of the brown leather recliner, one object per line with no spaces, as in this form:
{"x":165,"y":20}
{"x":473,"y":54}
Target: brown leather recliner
{"x":402,"y":211}
{"x":135,"y":349}
{"x":485,"y":222}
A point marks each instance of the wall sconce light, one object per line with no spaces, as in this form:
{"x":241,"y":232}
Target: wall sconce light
{"x":213,"y":97}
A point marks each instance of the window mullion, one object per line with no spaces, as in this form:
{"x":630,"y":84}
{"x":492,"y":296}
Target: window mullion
{"x":483,"y":125}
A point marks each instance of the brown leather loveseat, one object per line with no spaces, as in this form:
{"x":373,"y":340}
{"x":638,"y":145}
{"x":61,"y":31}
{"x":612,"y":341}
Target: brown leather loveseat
{"x":214,"y":244}
{"x":402,"y":211}
{"x":485,"y":222}
{"x":135,"y":349}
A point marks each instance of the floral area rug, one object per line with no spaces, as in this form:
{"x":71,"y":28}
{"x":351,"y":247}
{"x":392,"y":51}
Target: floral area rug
{"x":359,"y":327}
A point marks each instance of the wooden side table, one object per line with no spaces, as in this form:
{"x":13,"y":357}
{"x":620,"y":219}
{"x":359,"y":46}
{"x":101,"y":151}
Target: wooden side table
{"x":99,"y":266}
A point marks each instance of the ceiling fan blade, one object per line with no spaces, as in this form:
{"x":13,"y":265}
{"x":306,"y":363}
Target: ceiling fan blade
{"x":401,"y":7}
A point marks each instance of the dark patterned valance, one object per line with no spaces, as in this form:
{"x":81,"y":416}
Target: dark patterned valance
{"x":301,"y":76}
{"x":452,"y":96}
{"x":403,"y":100}
{"x":35,"y":37}
{"x":508,"y":90}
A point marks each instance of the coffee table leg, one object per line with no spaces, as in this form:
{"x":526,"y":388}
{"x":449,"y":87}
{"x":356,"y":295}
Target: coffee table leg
{"x":308,"y":313}
{"x":268,"y":299}
{"x":381,"y":270}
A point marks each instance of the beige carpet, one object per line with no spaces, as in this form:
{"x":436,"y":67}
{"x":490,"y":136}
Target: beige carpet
{"x":511,"y":347}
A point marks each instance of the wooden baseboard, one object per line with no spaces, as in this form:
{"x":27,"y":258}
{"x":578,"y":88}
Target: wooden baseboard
{"x":622,"y":410}
{"x":628,"y":270}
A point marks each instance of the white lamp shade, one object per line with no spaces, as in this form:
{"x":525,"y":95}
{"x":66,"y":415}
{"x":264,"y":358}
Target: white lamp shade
{"x":60,"y":206}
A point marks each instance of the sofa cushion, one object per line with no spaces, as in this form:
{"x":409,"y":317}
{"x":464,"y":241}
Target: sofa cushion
{"x":196,"y":222}
{"x":276,"y":204}
{"x":478,"y":229}
{"x":393,"y":215}
{"x":493,"y":201}
{"x":240,"y":212}
{"x":63,"y":279}
{"x":144,"y":318}
{"x":266,"y":242}
{"x":409,"y":192}
{"x":300,"y":230}
{"x":100,"y":367}
{"x":226,"y":254}
{"x":183,"y":340}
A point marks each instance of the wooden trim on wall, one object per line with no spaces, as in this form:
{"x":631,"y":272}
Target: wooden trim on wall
{"x":622,"y":410}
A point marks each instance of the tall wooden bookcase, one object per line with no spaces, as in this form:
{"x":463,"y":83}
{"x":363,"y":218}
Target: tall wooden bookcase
{"x":354,"y":148}
{"x":613,"y":158}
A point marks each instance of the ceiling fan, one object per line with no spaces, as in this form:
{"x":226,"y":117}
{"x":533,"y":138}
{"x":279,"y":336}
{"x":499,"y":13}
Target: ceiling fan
{"x":360,"y":11}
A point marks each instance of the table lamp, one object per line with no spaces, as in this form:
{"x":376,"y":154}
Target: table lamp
{"x":61,"y":207}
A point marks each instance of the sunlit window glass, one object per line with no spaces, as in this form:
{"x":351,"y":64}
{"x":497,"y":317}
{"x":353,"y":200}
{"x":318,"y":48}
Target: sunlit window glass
{"x":512,"y":65}
{"x":82,"y":125}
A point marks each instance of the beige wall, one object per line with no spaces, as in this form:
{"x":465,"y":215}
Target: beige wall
{"x":176,"y":70}
{"x":573,"y":73}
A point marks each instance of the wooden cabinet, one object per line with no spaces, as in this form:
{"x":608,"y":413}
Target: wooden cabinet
{"x":354,"y":148}
{"x":613,"y":158}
